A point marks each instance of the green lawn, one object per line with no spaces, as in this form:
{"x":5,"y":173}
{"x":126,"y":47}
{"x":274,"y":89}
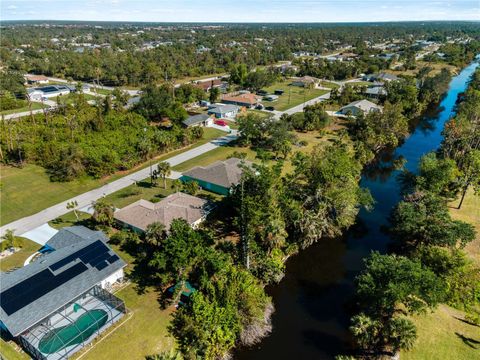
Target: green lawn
{"x":443,"y":335}
{"x":28,"y":190}
{"x":292,"y":96}
{"x":69,"y":219}
{"x":312,"y":138}
{"x":101,"y":91}
{"x":329,"y":84}
{"x":35,"y":106}
{"x":17,"y":259}
{"x":359,"y":83}
{"x":144,"y":333}
{"x":11,"y":351}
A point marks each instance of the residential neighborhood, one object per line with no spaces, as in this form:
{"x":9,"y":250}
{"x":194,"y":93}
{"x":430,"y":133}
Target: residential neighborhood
{"x":211,"y":183}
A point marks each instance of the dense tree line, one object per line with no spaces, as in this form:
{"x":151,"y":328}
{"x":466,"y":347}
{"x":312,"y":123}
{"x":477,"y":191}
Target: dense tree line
{"x":120,"y":64}
{"x":83,"y":140}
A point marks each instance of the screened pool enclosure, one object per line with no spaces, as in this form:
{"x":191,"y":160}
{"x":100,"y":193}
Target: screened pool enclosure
{"x":73,"y":326}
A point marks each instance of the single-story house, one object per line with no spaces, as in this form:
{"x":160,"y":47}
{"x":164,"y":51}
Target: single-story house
{"x":36,"y":79}
{"x":360,"y":107}
{"x":224,"y":111}
{"x":218,"y":177}
{"x":376,"y":91}
{"x":142,"y":213}
{"x":210,"y":84}
{"x":381,"y":77}
{"x":198,"y":120}
{"x":60,"y":302}
{"x":305,"y":81}
{"x":40,"y":93}
{"x":247,"y":100}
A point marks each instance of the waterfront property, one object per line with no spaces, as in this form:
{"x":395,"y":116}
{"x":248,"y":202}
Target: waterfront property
{"x":60,"y":302}
{"x":142,"y":213}
{"x":360,"y":107}
{"x":218,"y":177}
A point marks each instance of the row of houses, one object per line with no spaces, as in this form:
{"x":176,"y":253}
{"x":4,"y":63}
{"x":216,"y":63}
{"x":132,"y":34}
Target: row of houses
{"x":62,"y":300}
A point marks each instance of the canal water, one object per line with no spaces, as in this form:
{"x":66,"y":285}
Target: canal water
{"x":312,"y":301}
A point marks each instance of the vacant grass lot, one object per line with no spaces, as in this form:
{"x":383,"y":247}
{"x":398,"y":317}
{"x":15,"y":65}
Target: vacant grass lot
{"x":292,"y":96}
{"x":17,"y":259}
{"x":312,"y":138}
{"x":443,"y":335}
{"x":28,"y":190}
{"x":35,"y":106}
{"x":470,"y":212}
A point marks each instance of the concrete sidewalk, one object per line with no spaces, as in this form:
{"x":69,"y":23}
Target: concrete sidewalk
{"x":25,"y":224}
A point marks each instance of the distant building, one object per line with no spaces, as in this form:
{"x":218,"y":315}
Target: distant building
{"x":142,"y":213}
{"x":36,"y":79}
{"x":376,"y":91}
{"x":360,"y":107}
{"x":381,"y":77}
{"x":60,"y":302}
{"x":40,"y":93}
{"x":218,"y":177}
{"x":198,"y":120}
{"x":224,"y":111}
{"x":306,"y":81}
{"x":207,"y":85}
{"x":247,"y":100}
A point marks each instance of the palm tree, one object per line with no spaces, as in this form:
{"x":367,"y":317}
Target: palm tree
{"x":103,"y":212}
{"x":164,"y":170}
{"x":155,"y":233}
{"x":177,"y":184}
{"x":72,"y":206}
{"x":402,"y":334}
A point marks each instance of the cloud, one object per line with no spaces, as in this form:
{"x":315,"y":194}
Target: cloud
{"x":11,"y":7}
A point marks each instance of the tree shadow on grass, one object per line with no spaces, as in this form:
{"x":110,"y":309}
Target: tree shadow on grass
{"x":467,"y":322}
{"x":469,"y":341}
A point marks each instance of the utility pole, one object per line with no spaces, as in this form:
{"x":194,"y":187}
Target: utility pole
{"x":244,"y":237}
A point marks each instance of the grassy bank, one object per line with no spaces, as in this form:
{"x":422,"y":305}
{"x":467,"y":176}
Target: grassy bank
{"x":444,"y":334}
{"x":35,"y":106}
{"x":28,"y":190}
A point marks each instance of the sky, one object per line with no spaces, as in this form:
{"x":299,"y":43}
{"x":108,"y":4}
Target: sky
{"x":241,"y":10}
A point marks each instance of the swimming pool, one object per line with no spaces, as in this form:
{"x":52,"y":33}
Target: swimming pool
{"x":73,"y":334}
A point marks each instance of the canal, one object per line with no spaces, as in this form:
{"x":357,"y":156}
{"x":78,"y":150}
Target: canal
{"x":311,"y":319}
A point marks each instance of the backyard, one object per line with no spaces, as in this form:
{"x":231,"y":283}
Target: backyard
{"x":292,"y":96}
{"x":27,"y":190}
{"x":455,"y":339}
{"x":27,"y":248}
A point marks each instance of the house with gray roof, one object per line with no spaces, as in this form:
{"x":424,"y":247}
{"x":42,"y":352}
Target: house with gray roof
{"x":142,"y":213}
{"x":360,"y":107}
{"x":218,"y":177}
{"x":376,"y":92}
{"x":224,"y":111}
{"x":198,"y":120}
{"x":60,"y":302}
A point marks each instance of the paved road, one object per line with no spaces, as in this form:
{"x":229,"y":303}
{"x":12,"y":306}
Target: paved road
{"x":31,"y":222}
{"x":21,"y":114}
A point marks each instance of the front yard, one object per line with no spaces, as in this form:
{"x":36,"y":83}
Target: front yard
{"x":27,"y":190}
{"x":292,"y":96}
{"x":27,"y":248}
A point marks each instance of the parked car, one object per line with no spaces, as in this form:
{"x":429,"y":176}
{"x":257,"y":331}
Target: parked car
{"x":221,"y":122}
{"x":269,"y":108}
{"x":279,"y":92}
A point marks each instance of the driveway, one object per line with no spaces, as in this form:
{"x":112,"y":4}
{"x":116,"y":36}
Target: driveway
{"x":26,"y":224}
